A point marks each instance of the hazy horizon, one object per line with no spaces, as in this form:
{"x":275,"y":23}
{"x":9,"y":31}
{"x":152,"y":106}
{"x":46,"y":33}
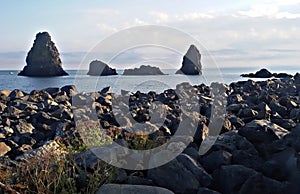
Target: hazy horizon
{"x":235,"y":33}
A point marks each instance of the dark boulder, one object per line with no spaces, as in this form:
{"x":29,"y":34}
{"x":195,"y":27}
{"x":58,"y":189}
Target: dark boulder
{"x":263,"y":73}
{"x":143,"y":70}
{"x":231,"y":148}
{"x":70,"y":90}
{"x":281,"y":166}
{"x":191,"y":64}
{"x":98,"y":68}
{"x":297,"y":78}
{"x":262,"y":131}
{"x":43,"y":58}
{"x":261,"y":184}
{"x":215,"y":159}
{"x":230,"y":179}
{"x":183,"y":175}
{"x":206,"y":191}
{"x":134,"y":189}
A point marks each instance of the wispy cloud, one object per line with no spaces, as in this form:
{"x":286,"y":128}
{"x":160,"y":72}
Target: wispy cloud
{"x":162,"y":17}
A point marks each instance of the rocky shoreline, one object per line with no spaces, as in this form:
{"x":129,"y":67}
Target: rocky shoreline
{"x":256,"y":150}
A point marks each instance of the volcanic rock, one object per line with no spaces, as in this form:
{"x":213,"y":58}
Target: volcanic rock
{"x":43,"y":58}
{"x":263,"y":73}
{"x":143,"y":70}
{"x":124,"y":188}
{"x":98,"y":68}
{"x":230,"y":178}
{"x":4,"y":148}
{"x":183,"y":175}
{"x":297,"y":78}
{"x":191,"y":64}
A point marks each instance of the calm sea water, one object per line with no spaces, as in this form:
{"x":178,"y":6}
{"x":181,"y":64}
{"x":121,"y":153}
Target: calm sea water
{"x":9,"y":79}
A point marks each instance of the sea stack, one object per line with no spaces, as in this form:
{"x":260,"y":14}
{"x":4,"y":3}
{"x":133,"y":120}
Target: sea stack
{"x":191,"y":64}
{"x":43,"y":58}
{"x":143,"y":70}
{"x":263,"y":73}
{"x":98,"y":68}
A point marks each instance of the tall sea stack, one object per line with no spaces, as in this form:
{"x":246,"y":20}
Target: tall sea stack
{"x":43,"y":58}
{"x":191,"y":64}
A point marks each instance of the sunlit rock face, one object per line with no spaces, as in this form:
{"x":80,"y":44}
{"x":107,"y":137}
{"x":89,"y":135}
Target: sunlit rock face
{"x":191,"y":64}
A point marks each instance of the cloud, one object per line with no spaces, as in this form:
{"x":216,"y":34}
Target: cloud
{"x":194,"y":16}
{"x":271,"y":10}
{"x":161,"y":17}
{"x":106,"y":28}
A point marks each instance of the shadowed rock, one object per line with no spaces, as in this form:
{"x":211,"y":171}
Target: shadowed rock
{"x":98,"y":68}
{"x":191,"y":64}
{"x":43,"y":58}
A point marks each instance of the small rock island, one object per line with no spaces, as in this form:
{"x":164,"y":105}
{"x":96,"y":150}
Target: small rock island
{"x":143,"y":70}
{"x":99,"y":68}
{"x":43,"y":58}
{"x":262,"y":73}
{"x":191,"y":64}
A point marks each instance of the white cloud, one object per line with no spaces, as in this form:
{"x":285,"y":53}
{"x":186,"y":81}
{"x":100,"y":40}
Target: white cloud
{"x":194,"y":16}
{"x":138,"y":21}
{"x":161,"y":17}
{"x":106,"y":28}
{"x":287,"y":15}
{"x":271,"y":10}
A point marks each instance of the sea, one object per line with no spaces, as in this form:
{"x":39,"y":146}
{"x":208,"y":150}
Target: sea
{"x":9,"y":79}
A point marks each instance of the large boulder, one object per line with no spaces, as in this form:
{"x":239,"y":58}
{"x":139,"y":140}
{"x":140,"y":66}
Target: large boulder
{"x":181,"y":175}
{"x":43,"y":58}
{"x":262,"y":131}
{"x":229,"y":179}
{"x":143,"y":70}
{"x":191,"y":64}
{"x":132,"y":189}
{"x":98,"y":68}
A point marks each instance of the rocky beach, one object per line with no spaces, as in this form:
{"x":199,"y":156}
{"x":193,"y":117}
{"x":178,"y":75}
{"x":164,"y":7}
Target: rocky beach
{"x":254,"y":126}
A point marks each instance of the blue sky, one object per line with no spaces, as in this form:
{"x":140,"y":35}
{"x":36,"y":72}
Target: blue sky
{"x":253,"y":33}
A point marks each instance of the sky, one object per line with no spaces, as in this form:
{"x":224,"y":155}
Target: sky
{"x":234,"y":33}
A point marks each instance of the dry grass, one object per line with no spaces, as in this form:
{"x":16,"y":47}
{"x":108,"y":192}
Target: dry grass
{"x":55,"y":174}
{"x":61,"y":174}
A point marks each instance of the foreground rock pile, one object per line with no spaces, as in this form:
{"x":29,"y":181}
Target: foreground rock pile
{"x":256,"y":149}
